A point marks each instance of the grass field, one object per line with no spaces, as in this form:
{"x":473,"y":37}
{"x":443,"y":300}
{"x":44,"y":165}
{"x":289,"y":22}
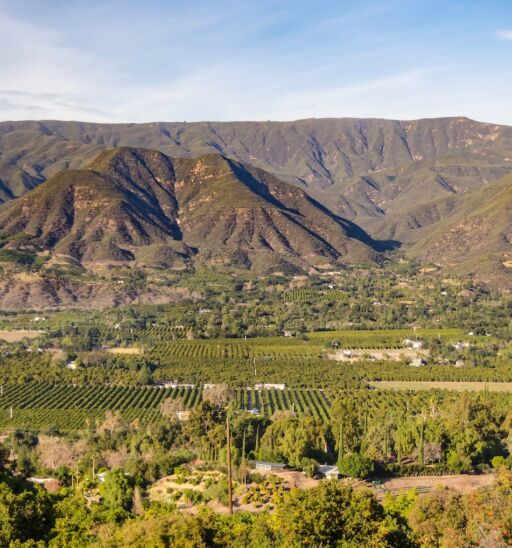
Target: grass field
{"x":440,"y":385}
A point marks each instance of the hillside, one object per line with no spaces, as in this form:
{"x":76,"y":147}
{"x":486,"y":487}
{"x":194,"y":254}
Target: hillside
{"x":397,"y":180}
{"x":475,"y":237}
{"x":139,"y":207}
{"x":362,"y":169}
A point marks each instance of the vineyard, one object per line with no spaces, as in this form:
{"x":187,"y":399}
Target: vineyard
{"x":43,"y":406}
{"x":301,"y":363}
{"x":312,"y":295}
{"x":288,"y":347}
{"x":40,"y":406}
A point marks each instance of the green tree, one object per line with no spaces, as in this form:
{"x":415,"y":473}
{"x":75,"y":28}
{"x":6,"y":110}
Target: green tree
{"x":335,"y":515}
{"x":25,"y":514}
{"x":116,"y":491}
{"x":355,"y":466}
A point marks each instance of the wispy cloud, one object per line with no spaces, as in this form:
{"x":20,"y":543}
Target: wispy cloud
{"x":504,"y":34}
{"x":181,"y":60}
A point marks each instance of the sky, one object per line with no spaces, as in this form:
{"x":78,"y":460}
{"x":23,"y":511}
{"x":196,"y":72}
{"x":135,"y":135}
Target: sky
{"x":193,"y":60}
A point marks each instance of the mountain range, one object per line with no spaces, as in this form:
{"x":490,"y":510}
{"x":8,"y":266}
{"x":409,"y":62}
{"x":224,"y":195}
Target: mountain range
{"x":139,"y":207}
{"x":260,"y":195}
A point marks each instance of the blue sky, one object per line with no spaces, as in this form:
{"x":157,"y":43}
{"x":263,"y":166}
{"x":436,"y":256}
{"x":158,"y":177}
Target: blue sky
{"x":156,"y":60}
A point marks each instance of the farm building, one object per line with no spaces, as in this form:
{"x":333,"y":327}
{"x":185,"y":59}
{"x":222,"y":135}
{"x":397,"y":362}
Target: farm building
{"x":328,"y":472}
{"x":175,"y":384}
{"x":412,"y":344}
{"x":418,"y":362}
{"x":268,"y":386}
{"x":269,"y":466}
{"x":183,"y":415}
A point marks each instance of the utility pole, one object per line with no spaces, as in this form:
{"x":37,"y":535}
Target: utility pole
{"x":230,"y":478}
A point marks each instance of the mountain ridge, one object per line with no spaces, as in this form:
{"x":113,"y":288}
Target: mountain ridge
{"x":141,"y":207}
{"x":395,"y":180}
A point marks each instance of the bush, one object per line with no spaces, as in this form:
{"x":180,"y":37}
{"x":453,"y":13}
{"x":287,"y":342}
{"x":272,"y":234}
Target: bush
{"x":458,"y":463}
{"x":498,"y":461}
{"x":309,"y":466}
{"x":217,"y":491}
{"x":414,"y":470}
{"x":356,"y":466}
{"x":193,"y":496}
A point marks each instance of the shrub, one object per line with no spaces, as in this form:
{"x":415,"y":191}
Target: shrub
{"x":458,"y":463}
{"x":498,"y":461}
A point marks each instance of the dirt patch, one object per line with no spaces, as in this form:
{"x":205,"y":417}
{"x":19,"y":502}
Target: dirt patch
{"x":19,"y":334}
{"x":395,"y":355}
{"x":130,"y":350}
{"x":441,"y":385}
{"x":462,"y":483}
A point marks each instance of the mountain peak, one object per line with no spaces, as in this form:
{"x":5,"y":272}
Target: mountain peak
{"x":138,"y":206}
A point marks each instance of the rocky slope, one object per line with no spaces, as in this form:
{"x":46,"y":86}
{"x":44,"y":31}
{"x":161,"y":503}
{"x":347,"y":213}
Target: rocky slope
{"x":475,"y":237}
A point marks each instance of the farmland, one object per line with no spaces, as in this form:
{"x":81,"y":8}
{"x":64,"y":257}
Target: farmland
{"x":41,"y":406}
{"x":136,"y":392}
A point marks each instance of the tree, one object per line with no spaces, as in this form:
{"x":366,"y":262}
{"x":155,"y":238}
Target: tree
{"x":171,"y":407}
{"x":439,"y":519}
{"x":335,"y":515}
{"x":355,"y":466}
{"x":55,"y":452}
{"x":218,"y":394}
{"x":145,"y":376}
{"x":24,"y":515}
{"x":116,"y":492}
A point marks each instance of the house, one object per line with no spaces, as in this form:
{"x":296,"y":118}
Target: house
{"x":418,"y":362}
{"x":410,"y":343}
{"x":72,"y":365}
{"x":269,"y":466}
{"x":268,"y":386}
{"x":183,"y":415}
{"x":459,"y":363}
{"x":460,"y":345}
{"x":328,"y":472}
{"x":175,"y":384}
{"x":288,"y":333}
